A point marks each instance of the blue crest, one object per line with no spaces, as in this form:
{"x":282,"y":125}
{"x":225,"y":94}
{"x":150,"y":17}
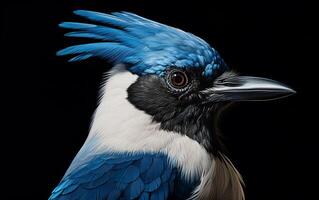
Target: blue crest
{"x":144,"y":46}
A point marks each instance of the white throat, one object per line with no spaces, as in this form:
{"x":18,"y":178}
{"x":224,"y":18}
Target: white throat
{"x":118,"y":126}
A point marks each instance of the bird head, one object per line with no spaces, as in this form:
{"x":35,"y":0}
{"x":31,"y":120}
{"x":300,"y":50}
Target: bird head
{"x":183,"y":83}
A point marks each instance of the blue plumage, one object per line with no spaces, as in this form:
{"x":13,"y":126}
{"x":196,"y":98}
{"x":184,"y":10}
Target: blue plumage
{"x":152,"y":136}
{"x":145,"y":46}
{"x":124,"y":176}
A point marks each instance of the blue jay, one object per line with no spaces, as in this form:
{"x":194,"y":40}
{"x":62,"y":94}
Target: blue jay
{"x":153,"y":135}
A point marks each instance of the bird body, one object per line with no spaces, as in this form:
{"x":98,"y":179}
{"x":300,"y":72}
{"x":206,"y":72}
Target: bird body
{"x":153,"y":134}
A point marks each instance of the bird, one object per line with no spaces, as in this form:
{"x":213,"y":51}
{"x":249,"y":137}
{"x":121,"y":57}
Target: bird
{"x":154,"y":133}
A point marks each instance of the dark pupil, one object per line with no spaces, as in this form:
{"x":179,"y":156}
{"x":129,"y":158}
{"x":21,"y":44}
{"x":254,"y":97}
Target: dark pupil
{"x":178,"y":79}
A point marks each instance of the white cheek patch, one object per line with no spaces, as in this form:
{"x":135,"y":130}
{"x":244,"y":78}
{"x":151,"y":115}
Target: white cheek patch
{"x":119,"y":126}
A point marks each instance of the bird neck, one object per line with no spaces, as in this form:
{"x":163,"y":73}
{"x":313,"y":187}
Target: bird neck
{"x":200,"y":124}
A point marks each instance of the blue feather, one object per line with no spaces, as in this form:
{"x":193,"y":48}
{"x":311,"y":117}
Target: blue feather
{"x":101,"y":32}
{"x":130,"y":17}
{"x":165,"y":189}
{"x":70,"y":189}
{"x":130,"y":174}
{"x":98,"y":181}
{"x":134,"y":189}
{"x":166,"y":175}
{"x":84,"y":34}
{"x":76,"y":25}
{"x":114,"y":195}
{"x":158,"y":195}
{"x":158,"y":167}
{"x":124,"y":176}
{"x":145,"y":196}
{"x":123,"y":164}
{"x":80,"y":57}
{"x":145,"y":163}
{"x":150,"y":187}
{"x":145,"y":46}
{"x":101,"y":17}
{"x":107,"y":50}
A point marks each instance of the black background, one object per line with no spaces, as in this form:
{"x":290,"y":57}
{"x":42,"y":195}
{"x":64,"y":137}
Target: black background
{"x":50,"y":101}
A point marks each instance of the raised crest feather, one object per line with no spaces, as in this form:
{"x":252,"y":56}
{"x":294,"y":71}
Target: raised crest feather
{"x":143,"y":45}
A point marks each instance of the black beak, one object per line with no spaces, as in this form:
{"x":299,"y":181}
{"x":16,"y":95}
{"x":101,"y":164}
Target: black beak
{"x":246,"y":88}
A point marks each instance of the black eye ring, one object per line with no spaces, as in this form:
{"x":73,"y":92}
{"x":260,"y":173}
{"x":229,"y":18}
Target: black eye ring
{"x":178,"y":79}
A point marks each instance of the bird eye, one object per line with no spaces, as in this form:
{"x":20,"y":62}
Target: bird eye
{"x":178,"y":79}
